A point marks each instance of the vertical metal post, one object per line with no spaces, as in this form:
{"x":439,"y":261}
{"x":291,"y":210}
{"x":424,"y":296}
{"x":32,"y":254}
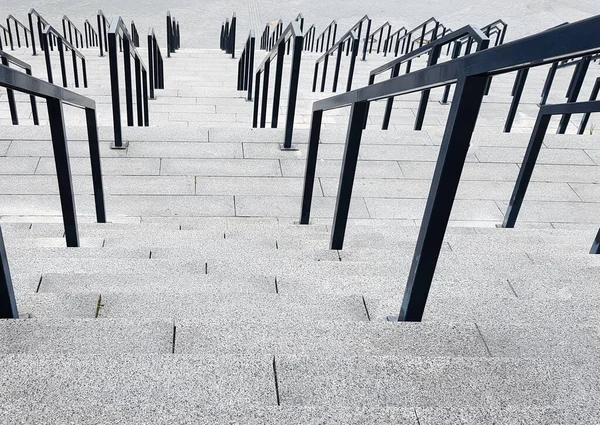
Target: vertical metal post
{"x":517,"y":92}
{"x":145,"y":98}
{"x":232,"y":31}
{"x":8,"y":302}
{"x":311,"y":165}
{"x":293,"y":93}
{"x":170,"y":34}
{"x":342,"y":207}
{"x":256,"y":100}
{"x":364,"y":55}
{"x":574,"y":89}
{"x":251,"y":67}
{"x":336,"y":73}
{"x":138,"y":92}
{"x":595,"y":246}
{"x":34,"y":110}
{"x":128,"y":83}
{"x":355,"y":44}
{"x":277,"y":85}
{"x":548,"y":83}
{"x":29,"y":16}
{"x":390,"y":100}
{"x":44,"y":42}
{"x":84,"y":72}
{"x":453,"y":151}
{"x":12,"y":104}
{"x":315,"y":76}
{"x":100,"y":34}
{"x":265,"y":95}
{"x":94,"y":146}
{"x":434,"y":55}
{"x":151,"y":65}
{"x":75,"y":73}
{"x":63,"y":170}
{"x":114,"y":88}
{"x":533,"y":149}
{"x":61,"y":55}
{"x":324,"y":76}
{"x":586,"y":117}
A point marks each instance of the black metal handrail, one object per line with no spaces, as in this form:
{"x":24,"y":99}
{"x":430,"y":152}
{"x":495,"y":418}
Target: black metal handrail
{"x":55,"y":97}
{"x":18,"y":25}
{"x":434,"y":50}
{"x":135,"y":36}
{"x":349,"y":42}
{"x":173,"y":36}
{"x":41,"y":24}
{"x":264,"y":37}
{"x":309,"y":38}
{"x":586,"y":116}
{"x":6,"y":60}
{"x":51,"y":35}
{"x":398,"y":34}
{"x":380,"y":37}
{"x":439,"y":30}
{"x":500,"y":27}
{"x":67,"y":24}
{"x":407,"y":45}
{"x":246,"y":66}
{"x":300,"y":20}
{"x":228,"y":32}
{"x":91,"y":36}
{"x":156,"y":78}
{"x":470,"y":74}
{"x":118,"y":30}
{"x":278,"y":30}
{"x":103,"y":28}
{"x":5,"y":32}
{"x":320,"y":44}
{"x":278,"y":51}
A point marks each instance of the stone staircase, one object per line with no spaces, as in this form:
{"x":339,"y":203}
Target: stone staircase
{"x":203,"y":300}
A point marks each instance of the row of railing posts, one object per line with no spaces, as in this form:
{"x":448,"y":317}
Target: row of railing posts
{"x":173,"y":35}
{"x":246,"y":66}
{"x":156,"y":78}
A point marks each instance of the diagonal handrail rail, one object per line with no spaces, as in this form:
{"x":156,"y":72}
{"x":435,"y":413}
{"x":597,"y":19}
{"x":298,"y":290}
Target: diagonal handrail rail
{"x":309,"y":38}
{"x":351,"y":40}
{"x":6,"y":60}
{"x":41,"y":24}
{"x":91,"y":36}
{"x":470,"y":74}
{"x":5,"y":32}
{"x":278,"y":51}
{"x":406,"y":39}
{"x":156,"y":79}
{"x":434,"y":50}
{"x":67,"y":24}
{"x":118,"y":30}
{"x":431,"y":35}
{"x":398,"y":34}
{"x":103,"y":28}
{"x":18,"y":25}
{"x":49,"y":34}
{"x":55,"y":97}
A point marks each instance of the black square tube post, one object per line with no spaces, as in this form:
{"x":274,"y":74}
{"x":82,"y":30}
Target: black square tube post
{"x":265,"y":95}
{"x":8,"y":302}
{"x":94,"y":146}
{"x":277,"y":85}
{"x":533,"y":149}
{"x":596,"y":245}
{"x":256,"y":100}
{"x":151,"y":65}
{"x":336,"y":72}
{"x":139,"y":104}
{"x":311,"y":165}
{"x":355,"y":44}
{"x":63,"y":170}
{"x":293,"y":93}
{"x":12,"y":104}
{"x":465,"y":107}
{"x":574,"y":89}
{"x":128,"y":82}
{"x":434,"y":55}
{"x":250,"y":67}
{"x":114,"y":88}
{"x":517,"y":92}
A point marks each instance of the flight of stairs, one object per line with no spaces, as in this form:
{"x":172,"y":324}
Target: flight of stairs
{"x":203,"y":301}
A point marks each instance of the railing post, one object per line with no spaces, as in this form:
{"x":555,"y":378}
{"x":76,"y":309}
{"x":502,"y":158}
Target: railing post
{"x":533,"y":149}
{"x":293,"y":94}
{"x":232,"y":30}
{"x":390,"y":100}
{"x":311,"y":165}
{"x":251,"y":67}
{"x":61,"y":55}
{"x":324,"y":76}
{"x":355,"y":44}
{"x":100,"y":34}
{"x":548,"y":83}
{"x":453,"y":151}
{"x":63,"y":170}
{"x":151,"y":65}
{"x":256,"y":100}
{"x":336,"y":73}
{"x":517,"y":92}
{"x":596,"y":245}
{"x":586,"y":117}
{"x":94,"y":146}
{"x":75,"y":73}
{"x":128,"y":84}
{"x":145,"y":98}
{"x":30,"y":18}
{"x":34,"y":110}
{"x":12,"y":104}
{"x":8,"y":302}
{"x":169,"y":35}
{"x":265,"y":95}
{"x":434,"y":55}
{"x":364,"y":55}
{"x":44,"y":41}
{"x":574,"y":89}
{"x":114,"y":88}
{"x":352,"y":146}
{"x":277,"y":85}
{"x":138,"y":92}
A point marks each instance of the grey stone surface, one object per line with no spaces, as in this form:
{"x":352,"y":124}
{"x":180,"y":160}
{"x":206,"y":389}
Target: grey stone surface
{"x":90,"y":336}
{"x":221,"y":167}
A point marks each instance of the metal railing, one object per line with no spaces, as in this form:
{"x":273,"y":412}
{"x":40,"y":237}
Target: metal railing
{"x":439,"y":30}
{"x":309,"y":38}
{"x":5,"y":32}
{"x":91,"y":36}
{"x":246,"y":66}
{"x":103,"y":28}
{"x":55,"y":98}
{"x":264,"y":37}
{"x":156,"y":74}
{"x":18,"y":24}
{"x":586,"y":116}
{"x":70,"y":26}
{"x":118,"y":30}
{"x":135,"y":36}
{"x":380,"y":30}
{"x":51,"y":36}
{"x":6,"y":60}
{"x":498,"y":28}
{"x":278,"y":51}
{"x":275,"y":35}
{"x":398,"y":35}
{"x":228,"y":30}
{"x":41,"y":24}
{"x":320,"y":43}
{"x":300,"y":20}
{"x":348,"y":42}
{"x":434,"y":50}
{"x":419,"y":31}
{"x":470,"y":74}
{"x":173,"y":36}
{"x":533,"y":149}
